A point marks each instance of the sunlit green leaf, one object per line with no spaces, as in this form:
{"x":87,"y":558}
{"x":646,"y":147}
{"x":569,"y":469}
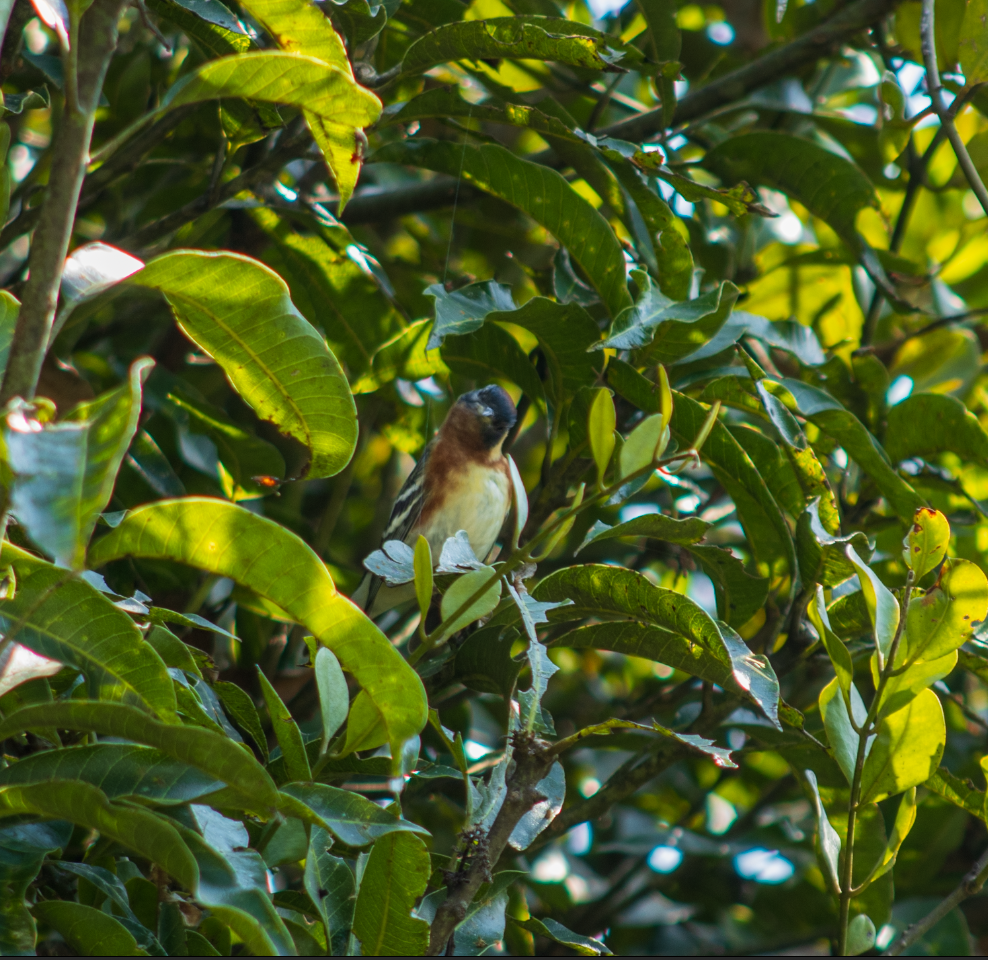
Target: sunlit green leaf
{"x":229,"y":540}
{"x":926,"y":542}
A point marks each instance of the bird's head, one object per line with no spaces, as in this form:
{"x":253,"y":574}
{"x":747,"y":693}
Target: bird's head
{"x":491,"y":411}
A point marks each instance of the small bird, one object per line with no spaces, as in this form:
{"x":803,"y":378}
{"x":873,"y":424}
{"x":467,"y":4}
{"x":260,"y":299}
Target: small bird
{"x":462,"y":481}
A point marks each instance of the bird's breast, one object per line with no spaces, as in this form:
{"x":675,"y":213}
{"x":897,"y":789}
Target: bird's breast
{"x":476,"y":499}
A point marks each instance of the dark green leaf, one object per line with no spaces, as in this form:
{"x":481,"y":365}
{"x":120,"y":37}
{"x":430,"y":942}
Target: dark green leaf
{"x":540,"y":192}
{"x":656,"y":526}
{"x":286,"y":731}
{"x":822,"y":557}
{"x":739,"y":595}
{"x":89,"y":931}
{"x":926,"y":424}
{"x":330,"y":884}
{"x":557,"y":933}
{"x":241,"y":709}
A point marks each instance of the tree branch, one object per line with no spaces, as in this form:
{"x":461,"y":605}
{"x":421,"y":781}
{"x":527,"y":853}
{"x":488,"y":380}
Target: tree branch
{"x":70,"y":153}
{"x":532,"y":760}
{"x":968,"y":887}
{"x":936,"y":98}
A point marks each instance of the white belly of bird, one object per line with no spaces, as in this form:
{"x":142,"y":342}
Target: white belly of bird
{"x":478,"y":504}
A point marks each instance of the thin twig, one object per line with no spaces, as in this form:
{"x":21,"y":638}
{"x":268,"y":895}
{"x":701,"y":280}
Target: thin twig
{"x":936,"y":97}
{"x":968,"y":887}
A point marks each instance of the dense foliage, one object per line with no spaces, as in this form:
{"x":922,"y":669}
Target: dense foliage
{"x":722,"y":689}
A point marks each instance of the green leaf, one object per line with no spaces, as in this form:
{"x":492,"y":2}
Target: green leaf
{"x":883,"y":608}
{"x":330,"y":884}
{"x":119,"y":770}
{"x":972,"y":49}
{"x":557,"y":933}
{"x":217,"y":38}
{"x":600,"y":431}
{"x":907,"y":749}
{"x":666,"y":330}
{"x":299,"y":27}
{"x":838,"y":653}
{"x":827,"y":839}
{"x":64,"y":473}
{"x":766,"y":527}
{"x":395,"y":876}
{"x":860,"y":935}
{"x":334,"y":698}
{"x":233,"y":884}
{"x":822,"y":557}
{"x":739,"y":595}
{"x":240,"y":707}
{"x":140,"y":830}
{"x":87,"y":930}
{"x":844,"y":427}
{"x":926,"y":424}
{"x":353,"y":819}
{"x":230,"y":541}
{"x":213,"y":753}
{"x":243,"y":455}
{"x":334,"y":106}
{"x":653,"y":525}
{"x":521,"y":37}
{"x":842,"y":736}
{"x":940,"y":621}
{"x":829,"y":186}
{"x":537,"y":190}
{"x":64,"y":618}
{"x":240,"y":313}
{"x":672,"y":629}
{"x":492,"y":353}
{"x":23,"y":849}
{"x":926,"y":542}
{"x":332,"y":287}
{"x":647,"y":442}
{"x":286,"y":732}
{"x":463,"y":311}
{"x":461,"y":590}
{"x":961,"y":793}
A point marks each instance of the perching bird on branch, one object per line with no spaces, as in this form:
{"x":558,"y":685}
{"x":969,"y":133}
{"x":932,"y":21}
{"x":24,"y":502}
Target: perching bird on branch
{"x":462,"y":481}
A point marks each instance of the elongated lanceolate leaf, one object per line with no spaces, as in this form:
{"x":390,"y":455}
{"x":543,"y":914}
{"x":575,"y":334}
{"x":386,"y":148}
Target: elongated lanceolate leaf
{"x":63,"y":618}
{"x":64,"y":472}
{"x":213,"y":753}
{"x":657,"y":624}
{"x":241,"y":314}
{"x":830,"y":187}
{"x":335,"y":107}
{"x":330,"y":885}
{"x":540,"y":192}
{"x":119,"y":770}
{"x":394,"y":877}
{"x":142,"y":831}
{"x":883,"y":608}
{"x":652,"y":525}
{"x":233,"y":542}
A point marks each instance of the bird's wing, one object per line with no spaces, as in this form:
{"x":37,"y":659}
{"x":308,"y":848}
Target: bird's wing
{"x":404,"y":515}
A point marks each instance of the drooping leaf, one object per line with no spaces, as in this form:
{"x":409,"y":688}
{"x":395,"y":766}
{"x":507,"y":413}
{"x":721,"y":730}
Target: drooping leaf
{"x":119,"y":770}
{"x":827,"y":841}
{"x":210,"y":752}
{"x":883,"y":608}
{"x":274,"y":563}
{"x":332,"y":287}
{"x":62,"y":617}
{"x":88,"y":930}
{"x":540,"y":192}
{"x":240,"y":313}
{"x":926,"y":424}
{"x":557,"y":933}
{"x":739,"y":595}
{"x":394,"y":877}
{"x":355,"y":820}
{"x":840,"y":658}
{"x":821,"y":554}
{"x":330,"y":884}
{"x":844,"y":739}
{"x":666,"y":627}
{"x":907,"y":749}
{"x":829,"y":186}
{"x":140,"y":830}
{"x":335,"y":107}
{"x":64,"y":473}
